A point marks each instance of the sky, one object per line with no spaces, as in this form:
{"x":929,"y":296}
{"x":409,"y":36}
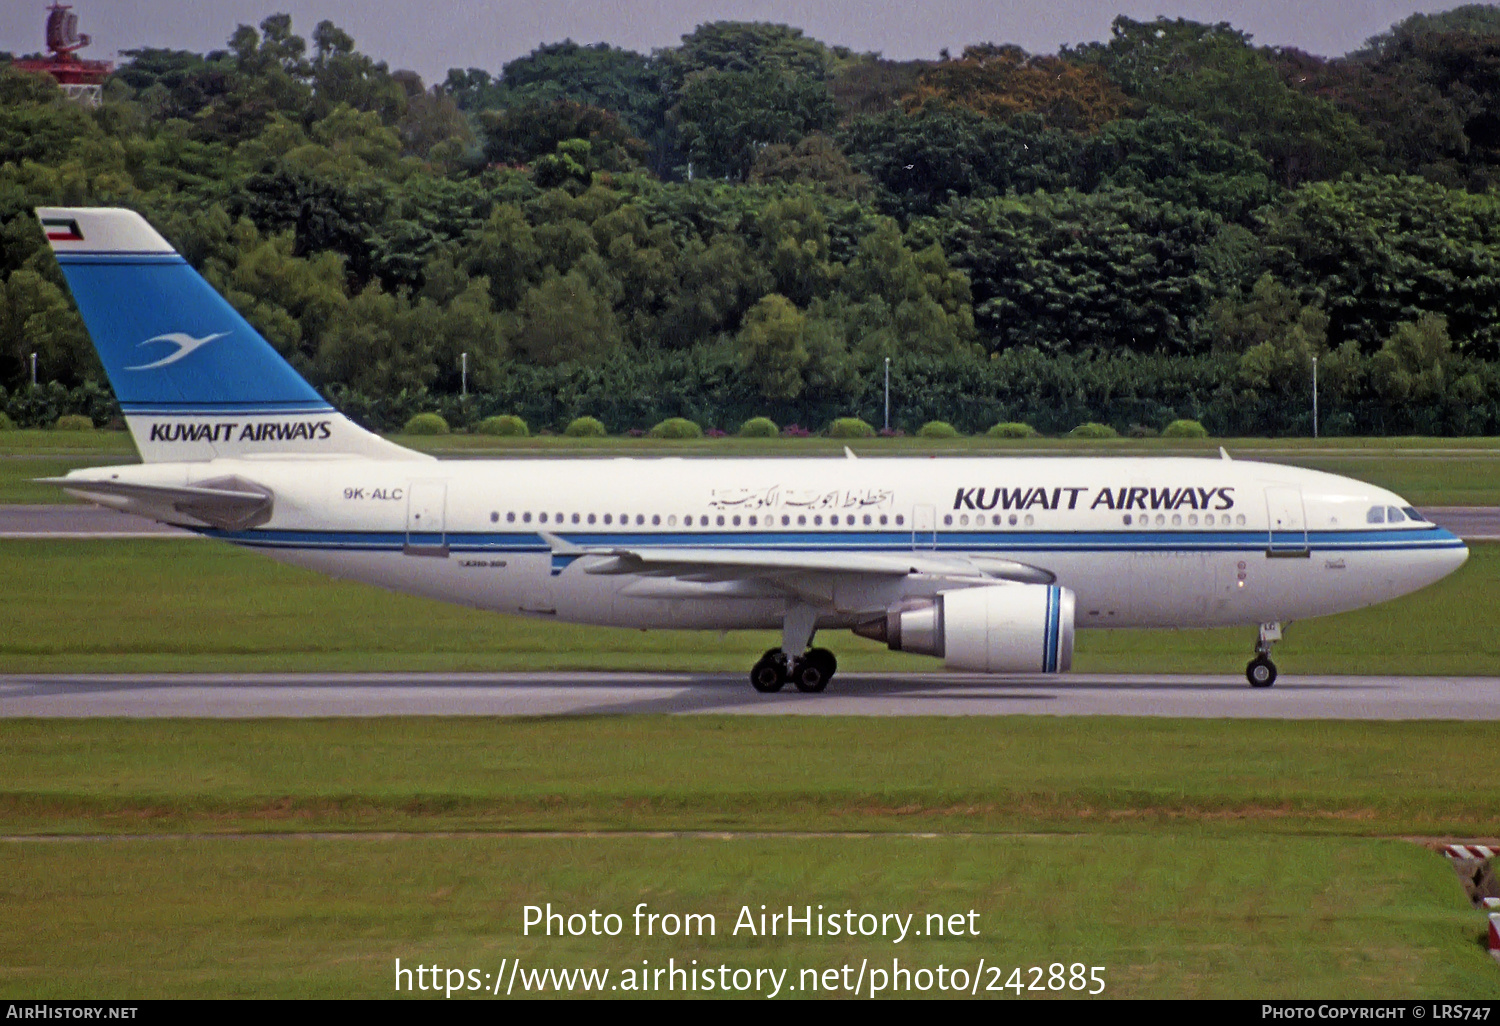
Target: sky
{"x":430,"y":37}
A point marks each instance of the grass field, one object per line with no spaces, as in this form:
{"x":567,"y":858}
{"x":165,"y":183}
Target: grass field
{"x":1427,"y":471}
{"x":168,"y":605}
{"x":1191,"y":858}
{"x":1170,"y":915}
{"x":1103,"y":774}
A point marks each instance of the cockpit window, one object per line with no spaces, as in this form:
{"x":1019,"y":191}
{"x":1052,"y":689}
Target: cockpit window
{"x":1376,"y":515}
{"x":1412,"y":514}
{"x":1394,"y":515}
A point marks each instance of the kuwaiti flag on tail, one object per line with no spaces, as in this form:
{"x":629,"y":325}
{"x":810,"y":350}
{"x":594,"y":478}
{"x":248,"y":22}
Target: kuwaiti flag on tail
{"x":194,"y":379}
{"x":62,"y":229}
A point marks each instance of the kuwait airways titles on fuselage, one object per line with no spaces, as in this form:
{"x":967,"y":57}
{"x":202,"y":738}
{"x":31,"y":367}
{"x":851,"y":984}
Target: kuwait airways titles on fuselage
{"x":1122,"y":498}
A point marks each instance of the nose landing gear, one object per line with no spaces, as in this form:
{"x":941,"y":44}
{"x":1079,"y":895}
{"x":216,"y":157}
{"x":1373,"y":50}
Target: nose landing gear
{"x":1261,"y":672}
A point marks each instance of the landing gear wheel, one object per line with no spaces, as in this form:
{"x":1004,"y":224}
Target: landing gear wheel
{"x":810,"y":675}
{"x":1261,"y":673}
{"x":769,"y":674}
{"x":824,"y":660}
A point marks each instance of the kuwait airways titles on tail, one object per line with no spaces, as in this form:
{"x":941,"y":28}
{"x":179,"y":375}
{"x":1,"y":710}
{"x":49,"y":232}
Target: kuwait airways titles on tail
{"x":990,"y":564}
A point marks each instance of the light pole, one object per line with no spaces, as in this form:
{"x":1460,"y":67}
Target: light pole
{"x":1315,"y":397}
{"x":887,"y":393}
{"x":464,"y":359}
{"x":33,"y":370}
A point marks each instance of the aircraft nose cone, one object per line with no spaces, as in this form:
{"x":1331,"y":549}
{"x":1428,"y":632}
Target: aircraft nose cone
{"x":1460,"y":556}
{"x":1445,"y":561}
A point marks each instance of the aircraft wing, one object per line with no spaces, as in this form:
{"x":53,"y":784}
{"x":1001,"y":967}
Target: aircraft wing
{"x":726,"y":564}
{"x":232,"y":504}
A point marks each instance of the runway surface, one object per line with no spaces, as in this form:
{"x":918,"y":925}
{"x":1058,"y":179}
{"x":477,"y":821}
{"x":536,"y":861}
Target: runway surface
{"x":1476,"y":523}
{"x":232,"y":696}
{"x":72,"y":521}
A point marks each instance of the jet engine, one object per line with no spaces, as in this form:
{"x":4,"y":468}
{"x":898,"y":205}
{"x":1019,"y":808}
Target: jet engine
{"x":1008,"y":628}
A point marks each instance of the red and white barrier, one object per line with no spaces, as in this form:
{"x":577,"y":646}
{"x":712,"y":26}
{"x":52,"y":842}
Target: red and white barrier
{"x":1495,"y":934}
{"x":1470,"y":851}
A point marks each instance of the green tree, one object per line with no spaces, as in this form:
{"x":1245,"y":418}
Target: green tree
{"x":564,"y":318}
{"x":342,"y":75}
{"x":1070,"y":271}
{"x":1379,"y":250}
{"x":816,"y":160}
{"x":719,"y":280}
{"x":1277,"y":337}
{"x":293,"y":301}
{"x":36,"y":317}
{"x":1213,"y":73}
{"x":741,"y":47}
{"x":726,"y":117}
{"x":1415,"y":363}
{"x":505,"y":251}
{"x":785,"y":353}
{"x":922,"y":159}
{"x":901,"y":302}
{"x":36,"y":122}
{"x":1239,"y":323}
{"x":530,"y":130}
{"x":1179,"y":159}
{"x":794,"y":248}
{"x":432,"y":127}
{"x":606,"y":77}
{"x":1428,"y":89}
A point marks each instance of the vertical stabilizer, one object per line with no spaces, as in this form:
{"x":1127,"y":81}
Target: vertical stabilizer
{"x":194,"y":379}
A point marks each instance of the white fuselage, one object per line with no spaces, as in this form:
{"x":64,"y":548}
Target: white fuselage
{"x":1142,"y":542}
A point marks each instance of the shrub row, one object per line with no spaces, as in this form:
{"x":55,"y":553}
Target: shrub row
{"x":510,"y":425}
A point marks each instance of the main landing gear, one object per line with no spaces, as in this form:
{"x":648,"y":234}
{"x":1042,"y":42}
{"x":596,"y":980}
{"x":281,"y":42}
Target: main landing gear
{"x":810,"y":672}
{"x":1261,"y":672}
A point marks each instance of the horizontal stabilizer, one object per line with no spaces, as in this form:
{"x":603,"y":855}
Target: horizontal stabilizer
{"x":228,"y":503}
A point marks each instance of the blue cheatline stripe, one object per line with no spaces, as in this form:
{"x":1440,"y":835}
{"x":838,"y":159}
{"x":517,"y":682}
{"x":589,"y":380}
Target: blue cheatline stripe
{"x":889,"y":543}
{"x":120,"y":257}
{"x":202,"y":409}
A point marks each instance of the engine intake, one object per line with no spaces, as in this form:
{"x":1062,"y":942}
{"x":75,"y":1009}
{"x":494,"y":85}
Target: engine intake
{"x":1011,"y":628}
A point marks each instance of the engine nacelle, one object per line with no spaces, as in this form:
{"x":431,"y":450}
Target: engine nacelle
{"x":1006,"y":628}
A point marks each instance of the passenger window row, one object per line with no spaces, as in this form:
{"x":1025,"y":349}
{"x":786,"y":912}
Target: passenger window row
{"x":704,"y":520}
{"x":1144,"y":520}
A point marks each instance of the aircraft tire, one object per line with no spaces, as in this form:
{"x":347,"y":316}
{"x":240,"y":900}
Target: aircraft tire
{"x":824,"y":660}
{"x":769,"y":674}
{"x":1261,"y":672}
{"x":809,"y":675}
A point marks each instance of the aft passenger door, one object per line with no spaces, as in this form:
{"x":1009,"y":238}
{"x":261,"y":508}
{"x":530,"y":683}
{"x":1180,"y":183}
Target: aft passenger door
{"x":426,"y":509}
{"x":1287,"y":534}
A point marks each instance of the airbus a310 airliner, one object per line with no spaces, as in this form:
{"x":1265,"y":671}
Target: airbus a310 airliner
{"x":990,"y":564}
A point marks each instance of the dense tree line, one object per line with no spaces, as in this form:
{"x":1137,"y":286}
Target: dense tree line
{"x":1173,"y":222}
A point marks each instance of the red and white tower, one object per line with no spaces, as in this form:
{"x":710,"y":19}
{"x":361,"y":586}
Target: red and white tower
{"x":81,"y":79}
